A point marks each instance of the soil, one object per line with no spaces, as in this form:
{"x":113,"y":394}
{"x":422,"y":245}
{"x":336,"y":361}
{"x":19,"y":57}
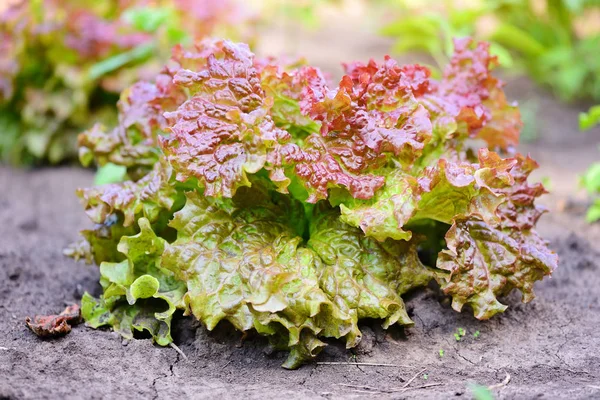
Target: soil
{"x":549,"y":348}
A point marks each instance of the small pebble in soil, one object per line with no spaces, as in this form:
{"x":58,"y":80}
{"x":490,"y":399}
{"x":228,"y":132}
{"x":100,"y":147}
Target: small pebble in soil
{"x":29,"y":225}
{"x":268,"y":350}
{"x":14,"y":275}
{"x":78,"y":292}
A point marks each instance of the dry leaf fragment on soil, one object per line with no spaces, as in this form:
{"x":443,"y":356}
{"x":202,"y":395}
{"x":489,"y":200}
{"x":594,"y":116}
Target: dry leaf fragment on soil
{"x":55,"y":325}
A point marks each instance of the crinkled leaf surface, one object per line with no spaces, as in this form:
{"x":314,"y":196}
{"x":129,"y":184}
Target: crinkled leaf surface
{"x":224,"y":131}
{"x":441,"y":192}
{"x":362,"y":276}
{"x":133,"y":142}
{"x":253,"y":273}
{"x":471,"y":94}
{"x":489,"y":260}
{"x":147,"y":197}
{"x":486,"y":262}
{"x":366,"y":123}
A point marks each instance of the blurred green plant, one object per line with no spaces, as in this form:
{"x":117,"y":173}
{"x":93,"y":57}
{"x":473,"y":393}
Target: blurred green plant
{"x":589,"y":119}
{"x":479,"y":392}
{"x":529,"y":109}
{"x":546,"y":39}
{"x":591,"y":179}
{"x":305,"y":12}
{"x":64,"y":62}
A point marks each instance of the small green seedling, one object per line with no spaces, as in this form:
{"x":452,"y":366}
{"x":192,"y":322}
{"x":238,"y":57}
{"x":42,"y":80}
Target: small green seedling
{"x":458,"y":335}
{"x":441,"y":352}
{"x":476,"y":334}
{"x":425,"y":376}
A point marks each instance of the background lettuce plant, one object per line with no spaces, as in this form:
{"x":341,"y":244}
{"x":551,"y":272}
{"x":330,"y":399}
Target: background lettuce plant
{"x":64,"y":62}
{"x":549,"y":40}
{"x":263,"y":195}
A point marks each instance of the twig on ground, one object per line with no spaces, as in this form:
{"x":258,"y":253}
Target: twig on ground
{"x":422,"y":387}
{"x":367,"y":392}
{"x":226,"y":364}
{"x":177,"y":349}
{"x":402,"y":388}
{"x":360,"y":387}
{"x":413,"y":378}
{"x":362,"y":364}
{"x":373,"y":390}
{"x":501,"y":384}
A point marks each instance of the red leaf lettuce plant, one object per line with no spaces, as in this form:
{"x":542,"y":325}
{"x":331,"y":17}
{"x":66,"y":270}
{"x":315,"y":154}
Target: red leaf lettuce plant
{"x":64,"y":62}
{"x":261,"y":195}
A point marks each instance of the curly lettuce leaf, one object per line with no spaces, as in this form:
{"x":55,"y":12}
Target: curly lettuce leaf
{"x":520,"y":211}
{"x":101,"y":243}
{"x":487,"y":262}
{"x":385,"y":215}
{"x":115,"y":209}
{"x":148,"y":197}
{"x":363,"y":277}
{"x":287,"y":89}
{"x":366,"y":123}
{"x":138,"y":293}
{"x":440,"y":192}
{"x":224,"y":131}
{"x":134,"y":141}
{"x":472,"y":95}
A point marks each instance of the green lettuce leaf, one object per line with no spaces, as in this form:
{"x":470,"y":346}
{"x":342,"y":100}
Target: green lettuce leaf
{"x":440,"y":192}
{"x":362,"y":276}
{"x":139,"y":294}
